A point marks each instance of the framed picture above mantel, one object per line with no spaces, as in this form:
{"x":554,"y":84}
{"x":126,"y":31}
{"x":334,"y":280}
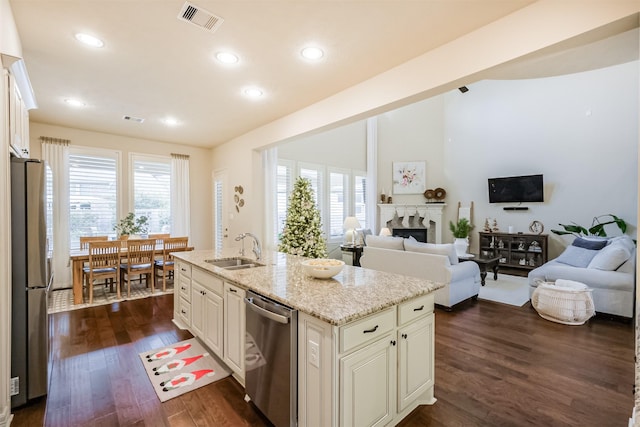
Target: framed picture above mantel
{"x":409,"y":177}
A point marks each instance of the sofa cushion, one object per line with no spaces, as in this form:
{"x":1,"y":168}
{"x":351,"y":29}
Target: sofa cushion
{"x":610,"y":257}
{"x":447,"y":249}
{"x":589,"y":243}
{"x":625,"y":241}
{"x":385,"y":242}
{"x":577,"y":256}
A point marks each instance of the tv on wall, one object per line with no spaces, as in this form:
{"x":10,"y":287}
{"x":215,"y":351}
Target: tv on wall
{"x":512,"y":189}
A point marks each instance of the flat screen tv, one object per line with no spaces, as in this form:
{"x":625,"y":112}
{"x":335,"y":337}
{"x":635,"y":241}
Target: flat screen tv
{"x":512,"y":189}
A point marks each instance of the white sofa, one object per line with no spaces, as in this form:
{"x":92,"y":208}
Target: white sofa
{"x":607,"y":268}
{"x":437,"y":262}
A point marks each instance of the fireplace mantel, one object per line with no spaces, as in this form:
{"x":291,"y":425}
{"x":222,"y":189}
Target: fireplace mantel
{"x":431,"y":212}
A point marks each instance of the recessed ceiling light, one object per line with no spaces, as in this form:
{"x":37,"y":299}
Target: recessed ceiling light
{"x":312,"y":52}
{"x":74,"y":102}
{"x":170,"y":121}
{"x":253,"y":92}
{"x":89,"y":40}
{"x":227,"y":57}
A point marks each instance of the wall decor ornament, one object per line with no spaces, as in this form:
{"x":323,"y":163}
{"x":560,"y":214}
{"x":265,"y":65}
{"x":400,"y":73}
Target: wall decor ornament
{"x":536,"y":227}
{"x":236,"y":197}
{"x":409,"y":177}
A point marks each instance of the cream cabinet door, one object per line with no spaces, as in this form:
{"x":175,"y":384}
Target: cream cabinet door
{"x":234,"y":327}
{"x":368,"y":384}
{"x":198,"y":293}
{"x":213,"y":322}
{"x":416,"y":360}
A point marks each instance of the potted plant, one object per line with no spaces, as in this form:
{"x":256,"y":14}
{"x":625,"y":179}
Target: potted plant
{"x":596,"y":229}
{"x":461,"y":231}
{"x":130,"y":225}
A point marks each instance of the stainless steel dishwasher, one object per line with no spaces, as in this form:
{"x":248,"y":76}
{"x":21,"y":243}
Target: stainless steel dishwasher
{"x":271,"y":359}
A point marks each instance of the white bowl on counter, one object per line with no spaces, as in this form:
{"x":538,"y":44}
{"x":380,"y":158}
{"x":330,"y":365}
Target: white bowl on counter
{"x":322,"y":268}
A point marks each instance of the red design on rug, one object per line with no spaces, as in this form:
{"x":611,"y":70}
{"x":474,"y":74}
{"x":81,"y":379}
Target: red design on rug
{"x":168,"y":352}
{"x":185,"y":379}
{"x":176,"y":365}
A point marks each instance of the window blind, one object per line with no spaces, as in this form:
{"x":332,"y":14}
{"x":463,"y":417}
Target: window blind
{"x":152,"y":192}
{"x":92,"y":195}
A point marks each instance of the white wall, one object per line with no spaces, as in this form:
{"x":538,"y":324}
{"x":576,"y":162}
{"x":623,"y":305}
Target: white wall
{"x":343,"y":147}
{"x":199,"y":168}
{"x":412,"y":133}
{"x":579,"y":130}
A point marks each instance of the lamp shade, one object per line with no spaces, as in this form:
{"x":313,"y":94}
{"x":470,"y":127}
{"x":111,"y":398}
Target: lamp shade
{"x":385,"y":232}
{"x":350,"y":223}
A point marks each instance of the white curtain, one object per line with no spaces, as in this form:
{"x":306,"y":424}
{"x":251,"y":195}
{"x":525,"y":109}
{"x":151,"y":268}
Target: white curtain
{"x":270,"y":167}
{"x":180,"y":200}
{"x":56,"y":153}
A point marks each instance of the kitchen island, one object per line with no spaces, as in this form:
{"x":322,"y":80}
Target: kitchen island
{"x":365,"y":337}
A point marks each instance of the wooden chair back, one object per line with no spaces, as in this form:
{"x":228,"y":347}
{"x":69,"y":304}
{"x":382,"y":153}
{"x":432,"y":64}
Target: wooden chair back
{"x":166,"y":264}
{"x":85,"y":240}
{"x":159,"y":237}
{"x":104,"y":263}
{"x":104,"y":255}
{"x":173,"y":244}
{"x":140,"y":251}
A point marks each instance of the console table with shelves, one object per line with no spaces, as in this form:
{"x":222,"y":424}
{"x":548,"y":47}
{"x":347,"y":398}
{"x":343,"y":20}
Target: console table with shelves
{"x":516,"y":250}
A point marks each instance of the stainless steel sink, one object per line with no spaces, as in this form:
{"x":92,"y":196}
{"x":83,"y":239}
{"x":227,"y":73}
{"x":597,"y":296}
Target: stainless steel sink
{"x":234,"y":263}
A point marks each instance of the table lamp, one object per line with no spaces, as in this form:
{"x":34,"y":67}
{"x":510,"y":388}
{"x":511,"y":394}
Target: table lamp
{"x":350,"y":225}
{"x":384,"y":231}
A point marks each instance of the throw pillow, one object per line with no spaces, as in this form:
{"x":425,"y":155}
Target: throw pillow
{"x":610,"y":257}
{"x":625,"y":241}
{"x":589,"y":243}
{"x":385,"y":242}
{"x":577,"y":256}
{"x":432,"y":248}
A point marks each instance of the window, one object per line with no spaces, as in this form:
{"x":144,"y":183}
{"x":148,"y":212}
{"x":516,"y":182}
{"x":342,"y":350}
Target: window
{"x":338,"y":203}
{"x":345,"y":195}
{"x":360,"y":198}
{"x":218,"y":209}
{"x":93,"y":193}
{"x":152,"y":191}
{"x":284,"y":185}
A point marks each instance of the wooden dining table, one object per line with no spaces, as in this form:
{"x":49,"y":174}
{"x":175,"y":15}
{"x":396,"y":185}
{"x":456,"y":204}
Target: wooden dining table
{"x":80,"y":256}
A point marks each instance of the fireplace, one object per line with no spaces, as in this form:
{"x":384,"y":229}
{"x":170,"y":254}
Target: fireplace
{"x":423,"y":222}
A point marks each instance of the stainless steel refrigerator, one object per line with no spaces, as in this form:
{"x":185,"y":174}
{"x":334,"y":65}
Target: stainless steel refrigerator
{"x":31,"y":278}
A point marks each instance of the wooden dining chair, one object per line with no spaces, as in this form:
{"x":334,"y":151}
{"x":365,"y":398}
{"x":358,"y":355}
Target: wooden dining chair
{"x":104,"y":263}
{"x":138,"y":261}
{"x":159,"y":237}
{"x":84,"y":240}
{"x":166,"y":263}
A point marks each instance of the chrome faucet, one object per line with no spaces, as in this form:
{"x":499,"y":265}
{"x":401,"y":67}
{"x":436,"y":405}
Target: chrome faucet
{"x":257,"y":248}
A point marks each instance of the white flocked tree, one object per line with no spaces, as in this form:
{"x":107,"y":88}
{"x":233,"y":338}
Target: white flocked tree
{"x":302,"y":233}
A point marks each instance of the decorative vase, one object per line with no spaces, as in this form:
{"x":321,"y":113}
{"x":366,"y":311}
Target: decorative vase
{"x":461,"y":245}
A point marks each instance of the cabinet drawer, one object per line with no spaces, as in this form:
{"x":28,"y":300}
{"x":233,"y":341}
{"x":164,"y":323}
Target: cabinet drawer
{"x":207,"y":280}
{"x":185,"y":269}
{"x":185,"y":287}
{"x":367,"y":329}
{"x":415,"y":308}
{"x":185,"y":311}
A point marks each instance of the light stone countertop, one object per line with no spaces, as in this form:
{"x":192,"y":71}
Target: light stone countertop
{"x":353,"y":293}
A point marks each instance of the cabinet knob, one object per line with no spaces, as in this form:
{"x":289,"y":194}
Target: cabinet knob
{"x":393,"y":342}
{"x":183,"y":312}
{"x":404,"y":336}
{"x":232,"y":290}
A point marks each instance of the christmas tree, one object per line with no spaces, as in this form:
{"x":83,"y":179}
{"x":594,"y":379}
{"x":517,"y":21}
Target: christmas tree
{"x":302,"y":233}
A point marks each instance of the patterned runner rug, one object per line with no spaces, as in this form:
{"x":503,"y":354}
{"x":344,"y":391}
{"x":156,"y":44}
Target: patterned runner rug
{"x":181,"y":367}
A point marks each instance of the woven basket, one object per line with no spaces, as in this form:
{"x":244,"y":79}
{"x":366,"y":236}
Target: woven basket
{"x":569,"y":303}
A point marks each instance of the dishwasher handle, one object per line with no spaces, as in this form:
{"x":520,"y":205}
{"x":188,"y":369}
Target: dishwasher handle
{"x":266,"y":313}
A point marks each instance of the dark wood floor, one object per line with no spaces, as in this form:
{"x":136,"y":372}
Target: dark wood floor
{"x":496,"y":365}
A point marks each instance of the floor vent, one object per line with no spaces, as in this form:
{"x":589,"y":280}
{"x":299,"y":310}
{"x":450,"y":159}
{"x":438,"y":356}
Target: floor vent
{"x":199,"y":17}
{"x":133,"y":119}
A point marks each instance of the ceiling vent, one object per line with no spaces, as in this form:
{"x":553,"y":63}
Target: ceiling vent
{"x":199,"y":17}
{"x":133,"y":119}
